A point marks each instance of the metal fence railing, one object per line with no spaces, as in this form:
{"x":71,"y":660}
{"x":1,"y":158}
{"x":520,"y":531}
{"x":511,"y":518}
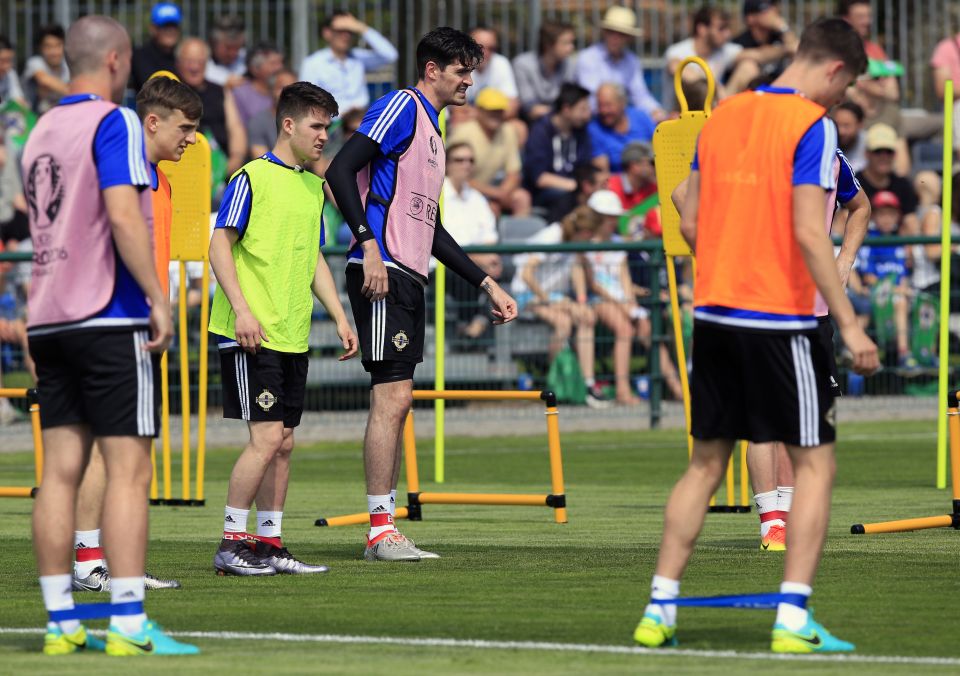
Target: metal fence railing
{"x":907,"y":29}
{"x":517,"y":356}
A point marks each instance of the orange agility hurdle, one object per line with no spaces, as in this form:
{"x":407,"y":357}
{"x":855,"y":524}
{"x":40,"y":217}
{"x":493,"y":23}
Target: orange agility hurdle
{"x":31,"y":396}
{"x":416,"y":499}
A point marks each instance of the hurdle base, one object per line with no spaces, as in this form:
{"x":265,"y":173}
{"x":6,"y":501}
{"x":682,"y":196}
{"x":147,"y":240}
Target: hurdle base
{"x":905,"y":525}
{"x":177,"y":502}
{"x":729,"y":509}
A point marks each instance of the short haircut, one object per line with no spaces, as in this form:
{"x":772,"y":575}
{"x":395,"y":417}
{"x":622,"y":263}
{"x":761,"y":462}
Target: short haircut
{"x":833,"y":38}
{"x":5,"y":43}
{"x":163,"y":95}
{"x":570,"y":95}
{"x":328,"y":21}
{"x":90,"y":39}
{"x":302,"y":98}
{"x":228,"y":26}
{"x":636,"y":152}
{"x":844,"y":6}
{"x":852,"y":108}
{"x":457,"y":145}
{"x":447,"y":45}
{"x":352,"y":119}
{"x":704,"y":17}
{"x":50,"y":30}
{"x":585,"y":173}
{"x":550,"y":32}
{"x":259,"y":53}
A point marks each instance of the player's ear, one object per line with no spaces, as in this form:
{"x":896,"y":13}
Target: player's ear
{"x":288,"y":125}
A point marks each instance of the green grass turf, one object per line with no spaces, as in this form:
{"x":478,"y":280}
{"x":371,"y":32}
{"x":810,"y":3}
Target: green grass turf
{"x":510,"y":573}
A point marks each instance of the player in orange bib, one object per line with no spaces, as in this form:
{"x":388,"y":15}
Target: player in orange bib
{"x":755,"y":218}
{"x":170,"y":112}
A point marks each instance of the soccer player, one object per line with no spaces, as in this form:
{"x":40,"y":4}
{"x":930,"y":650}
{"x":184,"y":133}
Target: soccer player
{"x":387,"y":181}
{"x":98,"y":321}
{"x":169,"y":112}
{"x":754,"y":213}
{"x":771,"y":473}
{"x":265,"y":251}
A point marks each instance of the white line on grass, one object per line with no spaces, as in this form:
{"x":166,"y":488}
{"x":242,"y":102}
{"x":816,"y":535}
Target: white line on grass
{"x":546,"y":646}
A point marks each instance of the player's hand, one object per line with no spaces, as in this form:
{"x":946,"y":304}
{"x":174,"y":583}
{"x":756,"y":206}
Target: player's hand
{"x":161,"y":328}
{"x":863,"y":350}
{"x":504,"y":306}
{"x":249,"y":332}
{"x":375,"y":281}
{"x":349,"y":340}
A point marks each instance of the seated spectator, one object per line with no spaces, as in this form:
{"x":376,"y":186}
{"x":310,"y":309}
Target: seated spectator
{"x":158,"y":52}
{"x":256,"y":94}
{"x":10,"y":89}
{"x":945,"y":63}
{"x":262,"y":128}
{"x":46,"y":74}
{"x":851,"y":137}
{"x":558,"y":144}
{"x":925,"y":258}
{"x":614,"y":300}
{"x":636,"y":187}
{"x":553,"y":288}
{"x":221,"y":121}
{"x":540,"y":74}
{"x":469,"y":220}
{"x":878,"y":92}
{"x":768,"y":45}
{"x":497,"y":149}
{"x":879,"y":174}
{"x":710,"y":40}
{"x":227,"y":62}
{"x":341,"y":67}
{"x":615,"y":125}
{"x":887,"y":264}
{"x":494,"y":72}
{"x":610,"y":61}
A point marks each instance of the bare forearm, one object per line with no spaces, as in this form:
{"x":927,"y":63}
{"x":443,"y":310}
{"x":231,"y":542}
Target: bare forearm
{"x":221,"y":260}
{"x":548,"y":181}
{"x":325,"y":289}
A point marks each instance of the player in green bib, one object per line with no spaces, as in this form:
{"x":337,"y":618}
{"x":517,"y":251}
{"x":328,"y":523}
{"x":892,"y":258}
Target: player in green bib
{"x":265,"y":252}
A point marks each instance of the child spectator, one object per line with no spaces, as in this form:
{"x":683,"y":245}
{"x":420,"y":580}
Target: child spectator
{"x":46,"y":74}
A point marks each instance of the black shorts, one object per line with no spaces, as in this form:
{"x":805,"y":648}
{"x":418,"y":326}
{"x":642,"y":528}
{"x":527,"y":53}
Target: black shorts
{"x":760,"y":387}
{"x":263,"y":387}
{"x":103,"y":379}
{"x":391,"y":329}
{"x":825,"y":332}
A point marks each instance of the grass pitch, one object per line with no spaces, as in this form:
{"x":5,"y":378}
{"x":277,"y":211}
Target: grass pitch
{"x":509,"y":574}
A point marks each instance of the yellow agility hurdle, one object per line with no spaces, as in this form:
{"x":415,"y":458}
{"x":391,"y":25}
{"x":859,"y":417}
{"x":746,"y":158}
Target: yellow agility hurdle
{"x":556,"y":500}
{"x":31,"y":396}
{"x":674,"y":143}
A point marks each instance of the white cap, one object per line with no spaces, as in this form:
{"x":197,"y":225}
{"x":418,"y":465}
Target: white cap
{"x":605,"y":202}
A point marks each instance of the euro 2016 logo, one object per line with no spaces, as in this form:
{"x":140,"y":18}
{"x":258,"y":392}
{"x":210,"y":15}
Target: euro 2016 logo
{"x":45,"y":190}
{"x":433,"y":148}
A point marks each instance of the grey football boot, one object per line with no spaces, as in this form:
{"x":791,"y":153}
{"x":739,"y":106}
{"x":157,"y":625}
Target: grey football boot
{"x":97,"y":581}
{"x":392,"y":546}
{"x":154,"y":582}
{"x":235,"y":557}
{"x":284,"y":562}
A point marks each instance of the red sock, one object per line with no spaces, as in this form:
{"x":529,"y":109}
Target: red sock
{"x":275,"y":541}
{"x":88,"y":554}
{"x":774,"y":516}
{"x":233,"y":535}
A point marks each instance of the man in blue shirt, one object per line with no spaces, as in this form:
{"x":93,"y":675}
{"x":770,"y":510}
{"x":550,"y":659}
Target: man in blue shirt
{"x":615,"y":125}
{"x":341,"y":68}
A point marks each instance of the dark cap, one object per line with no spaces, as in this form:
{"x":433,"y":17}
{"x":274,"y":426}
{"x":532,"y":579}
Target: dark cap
{"x":756,"y":6}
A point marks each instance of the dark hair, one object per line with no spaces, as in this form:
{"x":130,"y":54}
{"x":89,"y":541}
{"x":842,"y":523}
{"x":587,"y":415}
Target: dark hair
{"x":853,"y":108}
{"x":570,"y":95}
{"x":695,"y":92}
{"x":49,"y":30}
{"x":832,"y":38}
{"x":227,"y":26}
{"x":257,"y":54}
{"x":585,"y":173}
{"x":704,"y":17}
{"x":5,"y":42}
{"x":163,"y":95}
{"x":352,"y":119}
{"x":844,"y":6}
{"x":299,"y":99}
{"x":328,"y":21}
{"x":447,"y":45}
{"x":550,"y":32}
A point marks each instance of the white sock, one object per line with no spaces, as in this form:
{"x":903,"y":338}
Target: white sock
{"x":381,"y":520}
{"x":124,"y":590}
{"x":268,"y":523}
{"x":791,"y":616}
{"x":86,"y":539}
{"x":235,"y":520}
{"x":58,"y":595}
{"x":393,"y":502}
{"x":767,"y":502}
{"x":784,"y":498}
{"x":663,"y":588}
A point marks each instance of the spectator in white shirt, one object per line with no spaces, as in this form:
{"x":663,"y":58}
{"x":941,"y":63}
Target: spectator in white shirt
{"x":710,"y":40}
{"x":228,"y":57}
{"x":340,"y":67}
{"x":46,"y":74}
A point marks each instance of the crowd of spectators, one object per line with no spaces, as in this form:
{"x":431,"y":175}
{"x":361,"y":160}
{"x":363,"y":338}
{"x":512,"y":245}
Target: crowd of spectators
{"x":555,"y":143}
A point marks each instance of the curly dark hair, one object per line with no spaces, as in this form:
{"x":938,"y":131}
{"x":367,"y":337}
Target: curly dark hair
{"x":447,"y":45}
